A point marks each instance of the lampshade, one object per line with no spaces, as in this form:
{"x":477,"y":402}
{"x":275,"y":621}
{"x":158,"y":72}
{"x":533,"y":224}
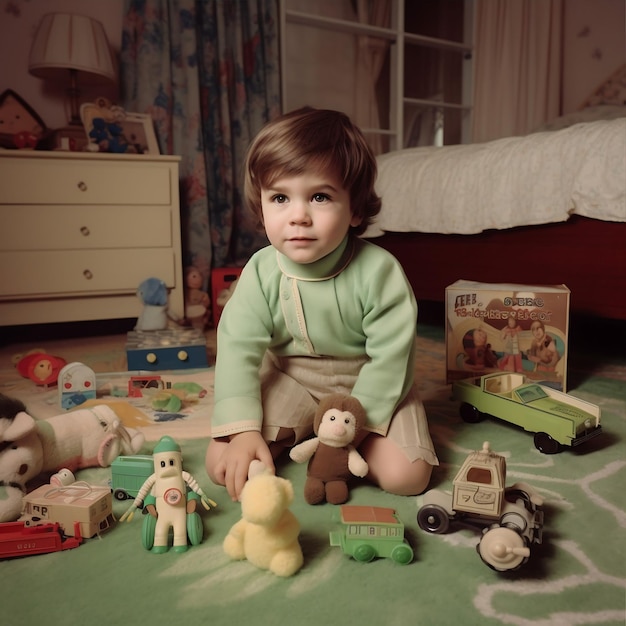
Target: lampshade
{"x":70,"y":42}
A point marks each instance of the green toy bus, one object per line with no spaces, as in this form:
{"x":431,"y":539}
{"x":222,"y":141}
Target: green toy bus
{"x":368,"y":532}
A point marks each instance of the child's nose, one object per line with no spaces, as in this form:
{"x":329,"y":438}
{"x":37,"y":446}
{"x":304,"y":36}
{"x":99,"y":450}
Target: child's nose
{"x":300,"y":213}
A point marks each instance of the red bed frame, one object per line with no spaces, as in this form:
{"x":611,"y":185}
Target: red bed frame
{"x":587,"y":255}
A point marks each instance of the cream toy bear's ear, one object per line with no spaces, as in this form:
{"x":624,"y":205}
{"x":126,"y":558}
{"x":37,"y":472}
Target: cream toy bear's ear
{"x":20,"y":426}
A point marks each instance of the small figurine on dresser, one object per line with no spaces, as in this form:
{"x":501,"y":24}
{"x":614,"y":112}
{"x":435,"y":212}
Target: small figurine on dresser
{"x":197,"y":302}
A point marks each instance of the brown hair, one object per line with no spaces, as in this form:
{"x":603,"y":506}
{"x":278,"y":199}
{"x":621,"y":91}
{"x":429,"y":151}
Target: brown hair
{"x":317,"y":139}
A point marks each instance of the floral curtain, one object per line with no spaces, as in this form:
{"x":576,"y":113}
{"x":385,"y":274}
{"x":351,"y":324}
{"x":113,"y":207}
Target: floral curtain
{"x":207,"y":71}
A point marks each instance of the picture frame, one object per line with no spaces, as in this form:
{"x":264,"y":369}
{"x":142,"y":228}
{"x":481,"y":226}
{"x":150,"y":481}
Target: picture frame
{"x":110,"y":128}
{"x":20,"y":125}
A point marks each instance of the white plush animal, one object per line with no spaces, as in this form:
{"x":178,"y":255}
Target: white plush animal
{"x":91,"y":437}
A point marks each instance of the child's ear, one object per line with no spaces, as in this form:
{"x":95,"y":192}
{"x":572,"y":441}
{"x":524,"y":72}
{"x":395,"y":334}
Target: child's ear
{"x":356,"y":221}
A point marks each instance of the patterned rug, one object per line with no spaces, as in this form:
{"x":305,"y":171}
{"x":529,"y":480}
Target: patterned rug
{"x":576,"y":576}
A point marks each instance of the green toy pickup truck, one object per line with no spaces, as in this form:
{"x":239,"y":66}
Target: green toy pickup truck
{"x":557,"y":419}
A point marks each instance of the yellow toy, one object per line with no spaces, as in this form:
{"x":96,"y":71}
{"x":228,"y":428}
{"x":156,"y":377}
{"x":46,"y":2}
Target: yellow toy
{"x":267,"y":533}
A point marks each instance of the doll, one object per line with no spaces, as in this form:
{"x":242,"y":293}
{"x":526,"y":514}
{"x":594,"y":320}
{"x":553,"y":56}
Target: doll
{"x":197,"y":302}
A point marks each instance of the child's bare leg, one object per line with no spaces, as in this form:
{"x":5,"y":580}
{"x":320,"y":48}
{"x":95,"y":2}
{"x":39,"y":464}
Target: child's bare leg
{"x":390,"y":468}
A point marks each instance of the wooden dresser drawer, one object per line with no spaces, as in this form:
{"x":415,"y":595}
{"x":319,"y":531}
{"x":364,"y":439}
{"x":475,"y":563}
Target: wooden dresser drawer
{"x":71,"y":227}
{"x":36,"y":273}
{"x":80,"y":181}
{"x":80,"y":232}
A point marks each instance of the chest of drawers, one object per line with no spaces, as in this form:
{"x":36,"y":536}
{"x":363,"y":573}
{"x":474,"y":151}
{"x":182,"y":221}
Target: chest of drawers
{"x":80,"y":232}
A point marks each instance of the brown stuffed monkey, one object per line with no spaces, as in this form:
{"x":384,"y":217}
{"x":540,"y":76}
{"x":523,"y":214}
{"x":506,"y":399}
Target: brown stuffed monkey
{"x":333,"y":460}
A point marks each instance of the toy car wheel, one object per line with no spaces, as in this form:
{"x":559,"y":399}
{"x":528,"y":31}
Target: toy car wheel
{"x":120,"y":494}
{"x":433,"y":519}
{"x":147,"y":531}
{"x":195,"y":529}
{"x":503,"y":549}
{"x":519,"y":495}
{"x":546,"y":444}
{"x":402,"y":554}
{"x":470,"y":414}
{"x":364,"y":553}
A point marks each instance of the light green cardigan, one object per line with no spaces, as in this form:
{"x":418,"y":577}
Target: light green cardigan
{"x":356,"y":301}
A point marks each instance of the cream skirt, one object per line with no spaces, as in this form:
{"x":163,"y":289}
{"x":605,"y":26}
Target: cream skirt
{"x":291,"y":388}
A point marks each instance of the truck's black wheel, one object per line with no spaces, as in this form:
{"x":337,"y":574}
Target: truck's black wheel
{"x":545,"y":444}
{"x":470,"y":414}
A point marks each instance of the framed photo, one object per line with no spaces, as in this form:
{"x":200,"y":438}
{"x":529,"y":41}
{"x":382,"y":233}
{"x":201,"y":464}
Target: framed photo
{"x":20,"y":126}
{"x":111,"y":129}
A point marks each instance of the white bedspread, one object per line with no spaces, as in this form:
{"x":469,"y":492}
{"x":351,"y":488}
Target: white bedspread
{"x":536,"y":179}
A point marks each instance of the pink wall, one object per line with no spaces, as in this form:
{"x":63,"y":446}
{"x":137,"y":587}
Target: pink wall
{"x":18,"y":23}
{"x":594,"y":44}
{"x":594,"y":47}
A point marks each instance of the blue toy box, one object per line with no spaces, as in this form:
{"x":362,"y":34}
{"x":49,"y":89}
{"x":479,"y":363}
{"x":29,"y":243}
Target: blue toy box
{"x":169,"y":349}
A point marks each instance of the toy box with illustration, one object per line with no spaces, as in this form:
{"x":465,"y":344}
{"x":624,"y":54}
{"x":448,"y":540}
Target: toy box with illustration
{"x":507,"y":327}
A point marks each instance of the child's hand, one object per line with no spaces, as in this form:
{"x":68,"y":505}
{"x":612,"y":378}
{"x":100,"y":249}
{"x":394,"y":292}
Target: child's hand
{"x":243,"y":448}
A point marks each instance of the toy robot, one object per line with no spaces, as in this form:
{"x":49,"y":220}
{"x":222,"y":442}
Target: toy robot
{"x":165,"y":496}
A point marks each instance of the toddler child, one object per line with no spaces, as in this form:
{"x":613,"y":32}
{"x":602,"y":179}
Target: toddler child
{"x":318,"y":311}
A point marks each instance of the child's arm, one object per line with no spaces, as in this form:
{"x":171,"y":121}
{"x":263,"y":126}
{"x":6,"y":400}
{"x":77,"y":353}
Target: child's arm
{"x":232,"y":468}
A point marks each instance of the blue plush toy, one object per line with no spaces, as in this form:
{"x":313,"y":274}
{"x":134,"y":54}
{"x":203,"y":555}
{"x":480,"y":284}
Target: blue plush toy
{"x":153,"y":293}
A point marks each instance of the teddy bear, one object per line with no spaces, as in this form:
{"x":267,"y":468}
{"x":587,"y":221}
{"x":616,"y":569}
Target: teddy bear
{"x":267,"y":533}
{"x":197,"y":302}
{"x":153,"y":294}
{"x":332,"y":457}
{"x":91,"y":437}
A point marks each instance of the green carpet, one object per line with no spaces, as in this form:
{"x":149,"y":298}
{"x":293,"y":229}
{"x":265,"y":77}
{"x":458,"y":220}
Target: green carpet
{"x":577,"y":576}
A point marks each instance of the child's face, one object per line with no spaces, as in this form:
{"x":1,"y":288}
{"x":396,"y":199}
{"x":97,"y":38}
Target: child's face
{"x":306,"y":217}
{"x":537,"y":331}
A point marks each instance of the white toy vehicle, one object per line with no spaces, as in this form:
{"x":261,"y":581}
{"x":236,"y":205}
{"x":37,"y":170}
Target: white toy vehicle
{"x":510,"y":517}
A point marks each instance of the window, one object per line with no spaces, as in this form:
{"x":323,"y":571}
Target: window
{"x":401,"y":69}
{"x":479,"y":475}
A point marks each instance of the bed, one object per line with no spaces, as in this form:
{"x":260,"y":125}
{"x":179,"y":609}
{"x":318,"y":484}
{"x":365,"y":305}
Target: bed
{"x":544,"y":208}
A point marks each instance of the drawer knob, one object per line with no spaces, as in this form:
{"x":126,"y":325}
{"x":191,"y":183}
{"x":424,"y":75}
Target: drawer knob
{"x":87,"y":274}
{"x":82,"y":186}
{"x":84,"y":231}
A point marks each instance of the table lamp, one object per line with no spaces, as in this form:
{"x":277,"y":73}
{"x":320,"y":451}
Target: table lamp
{"x":71,"y":48}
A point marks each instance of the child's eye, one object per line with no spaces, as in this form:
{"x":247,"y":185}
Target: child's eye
{"x":320,"y":197}
{"x":279,"y":198}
